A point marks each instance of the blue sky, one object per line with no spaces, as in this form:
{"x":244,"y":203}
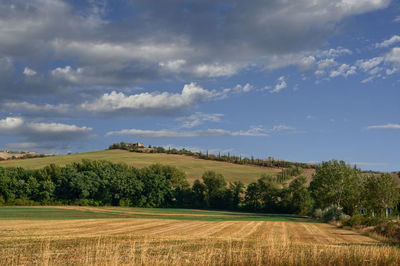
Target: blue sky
{"x":299,"y":80}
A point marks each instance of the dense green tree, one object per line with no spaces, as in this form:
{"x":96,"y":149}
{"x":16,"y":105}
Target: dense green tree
{"x":301,"y":201}
{"x":336,"y":183}
{"x":199,"y":194}
{"x":381,"y":192}
{"x":236,"y":188}
{"x":215,"y":189}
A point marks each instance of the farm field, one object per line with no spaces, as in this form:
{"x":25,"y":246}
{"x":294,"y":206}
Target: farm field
{"x":111,"y":235}
{"x":193,"y":167}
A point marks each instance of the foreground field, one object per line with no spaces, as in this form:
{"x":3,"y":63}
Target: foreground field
{"x":193,"y":167}
{"x":199,"y":241}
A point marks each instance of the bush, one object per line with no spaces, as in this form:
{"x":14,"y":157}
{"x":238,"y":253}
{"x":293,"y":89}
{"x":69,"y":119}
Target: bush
{"x":125,"y":203}
{"x":332,"y":213}
{"x":317,"y":214}
{"x":389,"y":229}
{"x":355,"y":220}
{"x":344,"y":217}
{"x":87,"y":202}
{"x":23,"y":202}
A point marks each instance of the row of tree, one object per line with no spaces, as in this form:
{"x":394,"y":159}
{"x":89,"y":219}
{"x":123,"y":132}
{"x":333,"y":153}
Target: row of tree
{"x":105,"y":183}
{"x":269,"y":162}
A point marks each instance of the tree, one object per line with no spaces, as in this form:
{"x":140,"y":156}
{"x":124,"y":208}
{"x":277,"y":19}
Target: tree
{"x":199,"y":190}
{"x":381,"y":192}
{"x":301,"y":201}
{"x":236,"y":188}
{"x":215,"y":189}
{"x":335,"y":183}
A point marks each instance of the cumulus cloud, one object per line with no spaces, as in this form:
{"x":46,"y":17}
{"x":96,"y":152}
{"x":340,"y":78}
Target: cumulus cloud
{"x":218,"y":39}
{"x":394,"y":39}
{"x":280,"y":85}
{"x":326,"y":63}
{"x":10,"y":123}
{"x":212,"y":42}
{"x":149,"y":103}
{"x":137,"y":105}
{"x":393,"y":56}
{"x":199,"y":118}
{"x":42,"y":132}
{"x":29,"y":72}
{"x":367,"y":65}
{"x":387,"y":126}
{"x":344,"y":70}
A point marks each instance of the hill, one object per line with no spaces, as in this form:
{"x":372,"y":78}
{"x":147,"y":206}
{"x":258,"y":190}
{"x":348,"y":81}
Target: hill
{"x":193,"y":167}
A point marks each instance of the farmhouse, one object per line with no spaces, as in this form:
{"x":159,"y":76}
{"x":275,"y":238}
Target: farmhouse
{"x":136,"y":144}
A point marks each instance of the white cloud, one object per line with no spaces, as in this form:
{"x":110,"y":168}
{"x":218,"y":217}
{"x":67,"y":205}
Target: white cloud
{"x":199,"y":118}
{"x":253,"y":132}
{"x":29,"y":72}
{"x":215,"y":70}
{"x":344,"y":70}
{"x":340,"y":51}
{"x":366,"y":65}
{"x":38,"y":108}
{"x":397,"y":19}
{"x":326,"y":63}
{"x":306,"y":63}
{"x":394,"y":39}
{"x":104,"y":52}
{"x":279,"y":128}
{"x":281,"y":84}
{"x":369,"y":79}
{"x":243,"y":89}
{"x":56,"y":128}
{"x":393,"y":56}
{"x":174,"y":65}
{"x":42,"y":132}
{"x":387,"y":126}
{"x":10,"y":123}
{"x":148,"y":103}
{"x":68,"y":73}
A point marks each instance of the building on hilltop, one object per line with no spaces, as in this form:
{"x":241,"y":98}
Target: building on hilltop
{"x":136,"y":144}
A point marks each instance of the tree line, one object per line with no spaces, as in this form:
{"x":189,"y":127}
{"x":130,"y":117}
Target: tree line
{"x":334,"y":185}
{"x":269,"y":162}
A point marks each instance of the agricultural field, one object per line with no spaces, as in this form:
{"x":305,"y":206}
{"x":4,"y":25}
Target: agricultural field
{"x":193,"y":167}
{"x":112,"y":235}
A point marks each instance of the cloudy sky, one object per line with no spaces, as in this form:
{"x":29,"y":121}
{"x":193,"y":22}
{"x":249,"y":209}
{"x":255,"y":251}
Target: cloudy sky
{"x":301,"y":80}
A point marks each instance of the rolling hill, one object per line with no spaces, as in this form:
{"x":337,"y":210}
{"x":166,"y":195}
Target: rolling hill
{"x":193,"y":167}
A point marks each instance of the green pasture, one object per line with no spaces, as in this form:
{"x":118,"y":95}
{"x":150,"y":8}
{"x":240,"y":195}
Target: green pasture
{"x":68,"y":213}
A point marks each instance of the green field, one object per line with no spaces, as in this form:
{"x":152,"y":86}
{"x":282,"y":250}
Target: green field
{"x":76,"y":212}
{"x":193,"y":167}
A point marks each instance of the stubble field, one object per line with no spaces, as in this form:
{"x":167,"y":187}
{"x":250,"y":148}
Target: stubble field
{"x":99,"y":236}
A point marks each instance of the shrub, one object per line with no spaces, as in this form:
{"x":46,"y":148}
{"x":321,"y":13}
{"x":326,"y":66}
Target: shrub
{"x":86,"y":202}
{"x":332,"y":213}
{"x":355,"y":220}
{"x":317,"y":214}
{"x":344,"y":217}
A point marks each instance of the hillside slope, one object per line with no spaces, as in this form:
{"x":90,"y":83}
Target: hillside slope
{"x":193,"y":167}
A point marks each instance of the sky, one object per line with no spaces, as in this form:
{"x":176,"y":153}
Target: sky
{"x":304,"y":80}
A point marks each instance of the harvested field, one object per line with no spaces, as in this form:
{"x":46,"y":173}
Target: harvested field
{"x":179,"y":241}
